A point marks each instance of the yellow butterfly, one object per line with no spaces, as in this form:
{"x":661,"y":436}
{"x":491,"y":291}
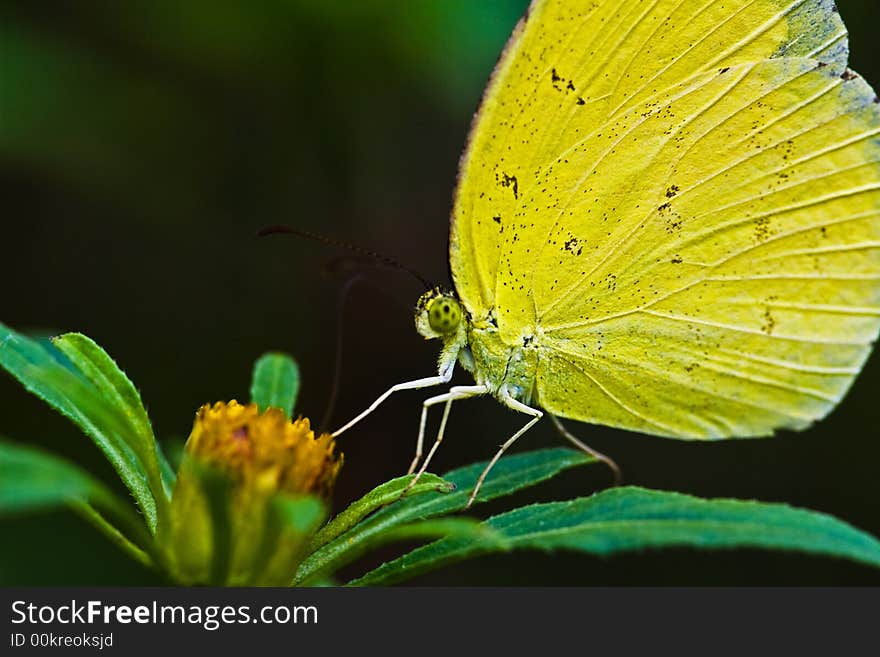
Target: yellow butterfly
{"x":667,"y":220}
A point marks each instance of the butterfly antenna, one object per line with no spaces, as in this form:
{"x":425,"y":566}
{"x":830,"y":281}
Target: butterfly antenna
{"x":333,"y":267}
{"x":586,"y":449}
{"x":351,"y":270}
{"x":380,"y":257}
{"x":340,"y":325}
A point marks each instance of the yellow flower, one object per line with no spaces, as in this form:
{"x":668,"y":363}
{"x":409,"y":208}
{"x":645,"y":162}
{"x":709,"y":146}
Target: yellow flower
{"x":264,"y":452}
{"x":232,"y":517}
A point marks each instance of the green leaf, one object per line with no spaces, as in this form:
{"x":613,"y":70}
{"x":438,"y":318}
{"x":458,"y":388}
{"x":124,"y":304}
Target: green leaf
{"x":275,"y":382}
{"x":292,"y":521}
{"x":32,"y":480}
{"x":169,"y":475}
{"x":458,"y":527}
{"x":380,"y":496}
{"x":114,"y":385}
{"x":302,"y":514}
{"x":43,"y":373}
{"x":218,"y":489}
{"x":116,"y":388}
{"x":313,"y":570}
{"x":116,"y":536}
{"x":630,"y":518}
{"x":510,"y":474}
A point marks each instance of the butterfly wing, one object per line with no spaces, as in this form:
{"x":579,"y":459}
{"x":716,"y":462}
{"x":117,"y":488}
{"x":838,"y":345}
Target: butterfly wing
{"x":689,"y":195}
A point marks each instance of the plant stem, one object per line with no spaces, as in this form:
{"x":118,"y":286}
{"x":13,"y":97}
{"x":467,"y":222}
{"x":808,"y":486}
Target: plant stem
{"x":116,"y":537}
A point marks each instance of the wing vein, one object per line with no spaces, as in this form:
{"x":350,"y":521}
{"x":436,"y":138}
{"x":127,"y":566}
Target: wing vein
{"x":795,"y":367}
{"x":617,"y":401}
{"x":687,"y":51}
{"x":703,"y":279}
{"x":866,"y":311}
{"x":824,"y":46}
{"x":613,"y":248}
{"x":791,"y":111}
{"x":755,"y":33}
{"x":861,"y":246}
{"x":744,"y":329}
{"x":664,"y":376}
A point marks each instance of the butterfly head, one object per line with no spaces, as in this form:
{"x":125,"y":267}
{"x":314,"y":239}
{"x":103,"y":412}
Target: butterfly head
{"x":439,"y":315}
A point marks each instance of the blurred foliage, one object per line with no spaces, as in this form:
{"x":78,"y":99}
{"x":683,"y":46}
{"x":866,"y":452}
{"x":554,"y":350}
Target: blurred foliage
{"x":142,"y":144}
{"x":182,"y":96}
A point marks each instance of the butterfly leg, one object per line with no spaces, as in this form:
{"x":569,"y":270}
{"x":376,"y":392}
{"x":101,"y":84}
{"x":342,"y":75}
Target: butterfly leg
{"x":599,"y":456}
{"x":456,"y":392}
{"x":510,"y":402}
{"x":444,"y":377}
{"x":420,"y":441}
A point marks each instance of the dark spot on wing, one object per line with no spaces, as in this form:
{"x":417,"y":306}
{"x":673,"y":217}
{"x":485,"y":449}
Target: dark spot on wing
{"x":762,"y":229}
{"x":561,"y":83}
{"x":769,"y":322}
{"x":509,"y":181}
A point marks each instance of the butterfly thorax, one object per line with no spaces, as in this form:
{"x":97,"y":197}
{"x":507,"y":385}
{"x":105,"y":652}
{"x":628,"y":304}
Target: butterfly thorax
{"x":477,"y":344}
{"x":499,"y":365}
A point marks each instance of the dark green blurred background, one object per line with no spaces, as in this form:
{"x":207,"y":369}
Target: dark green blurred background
{"x":141,"y":145}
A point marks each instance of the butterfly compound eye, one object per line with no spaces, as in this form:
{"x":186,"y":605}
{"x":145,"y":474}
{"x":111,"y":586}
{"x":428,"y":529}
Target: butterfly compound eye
{"x":444,"y":314}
